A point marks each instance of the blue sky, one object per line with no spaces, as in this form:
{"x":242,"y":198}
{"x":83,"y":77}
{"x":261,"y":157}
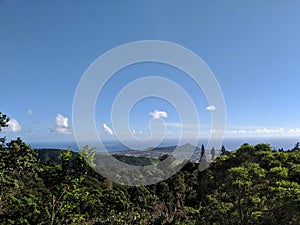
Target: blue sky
{"x":252,"y":47}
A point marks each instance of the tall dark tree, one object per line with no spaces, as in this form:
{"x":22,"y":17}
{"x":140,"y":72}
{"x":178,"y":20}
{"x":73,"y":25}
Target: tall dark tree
{"x":223,"y":150}
{"x":203,"y":164}
{"x":202,"y":151}
{"x":213,"y":153}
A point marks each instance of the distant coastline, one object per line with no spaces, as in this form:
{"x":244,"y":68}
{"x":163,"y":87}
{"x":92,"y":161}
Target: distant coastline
{"x":230,"y":143}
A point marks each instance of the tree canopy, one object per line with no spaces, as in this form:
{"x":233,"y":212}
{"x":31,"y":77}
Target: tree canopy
{"x":251,"y":185}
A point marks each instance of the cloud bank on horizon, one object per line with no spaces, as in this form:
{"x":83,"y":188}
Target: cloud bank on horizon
{"x":62,"y":127}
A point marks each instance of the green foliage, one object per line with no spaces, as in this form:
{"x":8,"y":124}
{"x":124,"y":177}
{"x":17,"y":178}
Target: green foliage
{"x":22,"y":190}
{"x":3,"y":120}
{"x":253,"y":185}
{"x":297,"y":147}
{"x":223,"y":150}
{"x":3,"y":123}
{"x":89,"y":155}
{"x":136,"y":161}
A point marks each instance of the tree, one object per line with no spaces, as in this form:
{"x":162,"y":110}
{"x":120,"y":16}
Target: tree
{"x":203,"y":164}
{"x":202,"y":151}
{"x":89,"y":155}
{"x":71,"y":199}
{"x":223,"y":150}
{"x":253,"y":185}
{"x":22,"y":191}
{"x":213,"y":153}
{"x":3,"y":120}
{"x":297,"y":146}
{"x":3,"y":123}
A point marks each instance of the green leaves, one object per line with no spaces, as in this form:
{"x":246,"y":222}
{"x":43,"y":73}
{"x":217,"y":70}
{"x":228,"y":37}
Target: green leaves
{"x":89,"y":155}
{"x":22,"y":191}
{"x":253,"y":185}
{"x":3,"y":120}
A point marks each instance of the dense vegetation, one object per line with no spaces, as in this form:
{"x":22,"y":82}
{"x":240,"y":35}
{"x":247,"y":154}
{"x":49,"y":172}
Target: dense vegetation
{"x":252,"y":185}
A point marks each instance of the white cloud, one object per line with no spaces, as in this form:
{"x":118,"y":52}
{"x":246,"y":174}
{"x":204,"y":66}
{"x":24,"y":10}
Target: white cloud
{"x":211,"y":108}
{"x":29,"y":112}
{"x":107,"y":129}
{"x":294,"y":130}
{"x":252,"y":131}
{"x":13,"y":126}
{"x":158,"y":114}
{"x":61,"y":125}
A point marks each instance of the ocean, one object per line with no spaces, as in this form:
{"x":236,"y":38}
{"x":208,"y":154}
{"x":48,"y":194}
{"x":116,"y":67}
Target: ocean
{"x":229,"y":143}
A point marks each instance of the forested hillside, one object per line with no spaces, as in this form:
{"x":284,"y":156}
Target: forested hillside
{"x":252,"y":185}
